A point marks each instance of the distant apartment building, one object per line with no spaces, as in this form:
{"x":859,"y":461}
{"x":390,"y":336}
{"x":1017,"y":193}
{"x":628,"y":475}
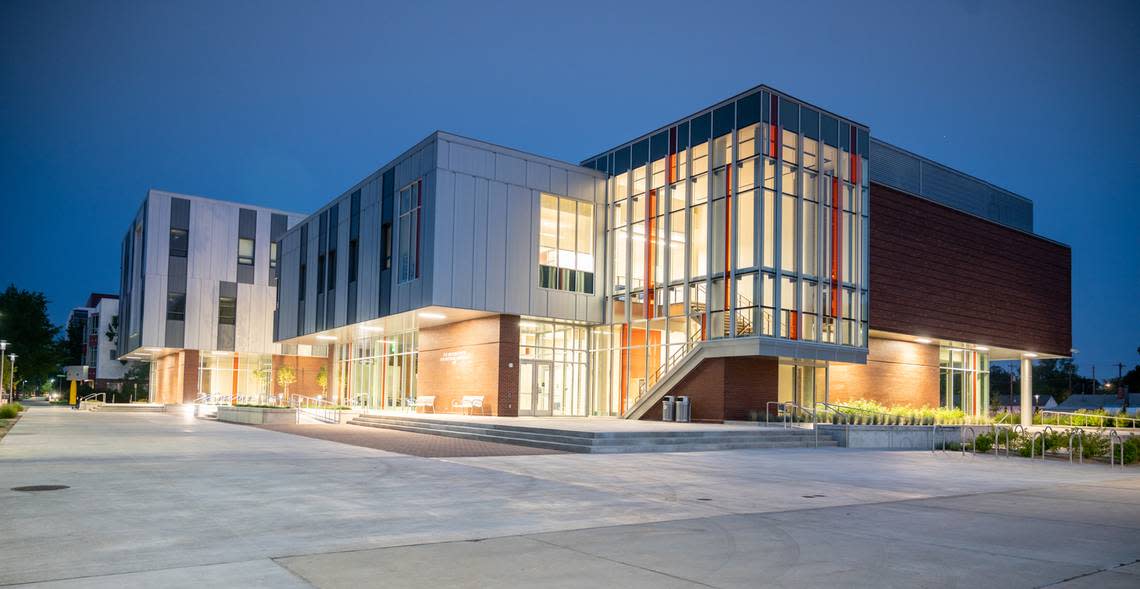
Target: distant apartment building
{"x":198,"y":289}
{"x":94,"y":321}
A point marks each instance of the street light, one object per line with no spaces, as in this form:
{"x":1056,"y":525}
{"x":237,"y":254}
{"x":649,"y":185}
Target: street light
{"x":3,"y":346}
{"x":11,"y":376}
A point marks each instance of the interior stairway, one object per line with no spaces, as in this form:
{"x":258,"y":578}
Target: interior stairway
{"x":681,"y":439}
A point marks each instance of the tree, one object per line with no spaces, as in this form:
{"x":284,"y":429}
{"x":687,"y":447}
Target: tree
{"x":262,"y":375}
{"x":286,"y":376}
{"x":112,"y":332}
{"x":71,"y":347}
{"x":31,"y":336}
{"x":136,"y":380}
{"x":323,"y":379}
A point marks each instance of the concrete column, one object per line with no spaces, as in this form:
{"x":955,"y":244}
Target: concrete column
{"x":1026,"y":392}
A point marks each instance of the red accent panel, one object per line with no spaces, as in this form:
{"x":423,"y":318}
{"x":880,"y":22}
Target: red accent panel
{"x":835,"y":249}
{"x":650,"y":225}
{"x":671,"y":165}
{"x":727,"y":233}
{"x":793,"y":325}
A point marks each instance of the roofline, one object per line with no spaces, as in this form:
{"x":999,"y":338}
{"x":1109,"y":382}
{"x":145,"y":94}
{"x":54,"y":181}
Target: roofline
{"x":986,"y":219}
{"x":518,"y":152}
{"x":151,"y":191}
{"x":721,"y":103}
{"x":955,"y":170}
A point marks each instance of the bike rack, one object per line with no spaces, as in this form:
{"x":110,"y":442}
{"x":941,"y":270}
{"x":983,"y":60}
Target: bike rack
{"x":1115,"y":440}
{"x":1044,"y":433}
{"x":1080,"y":435}
{"x":1005,"y":431}
{"x":962,"y":441}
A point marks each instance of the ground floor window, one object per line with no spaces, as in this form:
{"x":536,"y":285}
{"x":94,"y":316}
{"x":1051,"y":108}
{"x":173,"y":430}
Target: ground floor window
{"x":377,"y":372}
{"x":964,"y":379}
{"x":553,"y":369}
{"x":222,"y":374}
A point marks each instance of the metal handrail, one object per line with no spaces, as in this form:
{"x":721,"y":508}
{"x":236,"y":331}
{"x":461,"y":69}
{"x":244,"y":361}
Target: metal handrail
{"x":1073,"y":414}
{"x":671,"y":362}
{"x":94,"y":395}
{"x":324,"y":410}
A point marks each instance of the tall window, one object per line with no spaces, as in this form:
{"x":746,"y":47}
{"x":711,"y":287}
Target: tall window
{"x":386,"y":245}
{"x":245,"y":251}
{"x":566,"y":244}
{"x":273,"y":254}
{"x":178,"y":242}
{"x":410,"y":201}
{"x":227,"y":311}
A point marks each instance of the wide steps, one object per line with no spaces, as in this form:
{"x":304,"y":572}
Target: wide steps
{"x":129,"y":408}
{"x":679,"y":440}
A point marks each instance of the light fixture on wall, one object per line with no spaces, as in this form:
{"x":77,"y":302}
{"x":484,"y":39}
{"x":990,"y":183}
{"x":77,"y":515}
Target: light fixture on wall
{"x":327,"y":338}
{"x":923,"y":340}
{"x":1029,"y":355}
{"x":430,"y":315}
{"x":982,"y":349}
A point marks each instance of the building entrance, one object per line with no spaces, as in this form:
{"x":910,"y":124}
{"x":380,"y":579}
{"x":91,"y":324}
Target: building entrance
{"x":534,"y":388}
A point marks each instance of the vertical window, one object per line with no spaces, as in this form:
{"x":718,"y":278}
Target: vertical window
{"x":301,"y":280}
{"x":179,"y":243}
{"x":227,"y":311}
{"x":176,"y":306}
{"x":353,"y":259}
{"x":273,"y":254}
{"x":386,"y":245}
{"x":410,"y":202}
{"x":245,"y":251}
{"x":566,"y":244}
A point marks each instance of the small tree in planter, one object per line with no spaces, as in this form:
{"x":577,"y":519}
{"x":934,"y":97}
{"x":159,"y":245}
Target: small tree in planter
{"x":323,"y":380}
{"x":285,"y":377}
{"x":262,"y":375}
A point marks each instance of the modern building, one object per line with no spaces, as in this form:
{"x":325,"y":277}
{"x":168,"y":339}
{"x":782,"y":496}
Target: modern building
{"x":95,"y":320}
{"x":198,"y":285}
{"x":760,"y":250}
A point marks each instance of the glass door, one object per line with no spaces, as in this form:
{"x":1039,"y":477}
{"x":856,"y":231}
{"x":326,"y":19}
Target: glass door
{"x":535,"y":388}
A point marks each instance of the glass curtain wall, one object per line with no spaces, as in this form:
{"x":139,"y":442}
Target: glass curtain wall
{"x":749,"y":220}
{"x":964,"y":379}
{"x":378,"y":372}
{"x":224,"y":374}
{"x":562,"y":347}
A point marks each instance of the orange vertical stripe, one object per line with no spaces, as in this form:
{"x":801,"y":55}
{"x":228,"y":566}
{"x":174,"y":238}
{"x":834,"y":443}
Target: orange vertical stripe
{"x":650,"y":209}
{"x":233,"y":399}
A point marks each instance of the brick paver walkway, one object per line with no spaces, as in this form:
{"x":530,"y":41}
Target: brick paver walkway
{"x":415,"y":444}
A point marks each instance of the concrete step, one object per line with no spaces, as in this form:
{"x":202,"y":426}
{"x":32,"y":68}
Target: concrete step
{"x":129,"y":408}
{"x":599,"y":442}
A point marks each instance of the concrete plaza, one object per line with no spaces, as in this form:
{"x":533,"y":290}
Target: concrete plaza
{"x":168,"y":500}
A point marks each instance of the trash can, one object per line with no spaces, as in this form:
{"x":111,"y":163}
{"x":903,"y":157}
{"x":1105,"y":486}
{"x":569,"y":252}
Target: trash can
{"x":667,"y":413}
{"x":684,"y":409}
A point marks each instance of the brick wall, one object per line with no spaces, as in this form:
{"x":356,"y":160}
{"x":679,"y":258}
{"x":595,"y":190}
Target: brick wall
{"x":941,"y":273}
{"x":896,"y":373}
{"x":727,"y":388}
{"x":306,"y":368}
{"x":473,"y":357}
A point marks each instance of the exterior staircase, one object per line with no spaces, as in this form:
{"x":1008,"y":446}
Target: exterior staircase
{"x":681,"y":438}
{"x":128,"y":407}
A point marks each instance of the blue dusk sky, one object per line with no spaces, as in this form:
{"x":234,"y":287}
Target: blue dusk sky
{"x":288,"y":103}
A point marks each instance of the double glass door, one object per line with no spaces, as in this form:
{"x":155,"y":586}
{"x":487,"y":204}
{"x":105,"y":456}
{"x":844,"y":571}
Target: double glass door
{"x":534,"y":388}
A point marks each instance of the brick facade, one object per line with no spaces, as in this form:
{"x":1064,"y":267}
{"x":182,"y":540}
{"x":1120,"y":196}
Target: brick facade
{"x":896,"y":373}
{"x":942,"y":273}
{"x":473,"y":357}
{"x":736,"y":388}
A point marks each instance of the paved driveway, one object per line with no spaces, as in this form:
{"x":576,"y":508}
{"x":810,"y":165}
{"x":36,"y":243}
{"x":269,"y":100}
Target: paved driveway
{"x":164,"y":500}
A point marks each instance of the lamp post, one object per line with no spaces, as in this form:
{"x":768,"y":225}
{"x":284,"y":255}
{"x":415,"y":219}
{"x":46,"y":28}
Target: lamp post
{"x":11,"y":377}
{"x":3,"y":346}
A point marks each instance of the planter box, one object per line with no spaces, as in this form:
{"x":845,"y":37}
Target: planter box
{"x":892,"y":437}
{"x":258,"y":415}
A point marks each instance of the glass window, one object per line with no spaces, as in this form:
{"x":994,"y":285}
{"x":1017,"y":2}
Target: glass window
{"x":746,"y":229}
{"x":273,"y":254}
{"x":179,"y":243}
{"x":769,"y":229}
{"x":409,"y":228}
{"x":788,"y":234}
{"x":227,"y":311}
{"x":176,"y":306}
{"x":566,"y":244}
{"x":809,"y":238}
{"x":698,"y":238}
{"x":245,"y":251}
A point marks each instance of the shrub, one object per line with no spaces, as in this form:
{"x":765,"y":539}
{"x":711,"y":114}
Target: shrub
{"x":8,"y":411}
{"x":1131,"y":450}
{"x":983,"y":443}
{"x":1095,"y":444}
